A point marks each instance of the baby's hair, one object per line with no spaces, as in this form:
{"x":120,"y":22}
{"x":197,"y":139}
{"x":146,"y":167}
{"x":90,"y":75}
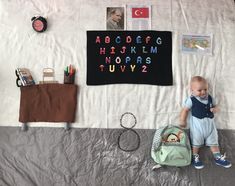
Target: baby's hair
{"x":198,"y":79}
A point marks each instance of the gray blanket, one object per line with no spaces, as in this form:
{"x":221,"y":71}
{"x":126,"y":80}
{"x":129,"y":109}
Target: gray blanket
{"x":91,"y":157}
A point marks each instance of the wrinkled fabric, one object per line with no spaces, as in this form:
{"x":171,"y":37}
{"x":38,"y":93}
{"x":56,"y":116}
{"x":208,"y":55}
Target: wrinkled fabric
{"x":91,"y":157}
{"x":64,"y":43}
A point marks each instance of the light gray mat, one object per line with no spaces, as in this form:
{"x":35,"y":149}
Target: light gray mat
{"x":84,"y":157}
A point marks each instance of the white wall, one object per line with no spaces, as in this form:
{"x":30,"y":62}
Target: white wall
{"x":64,"y":43}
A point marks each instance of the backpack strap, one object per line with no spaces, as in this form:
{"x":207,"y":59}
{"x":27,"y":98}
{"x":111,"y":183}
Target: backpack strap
{"x":157,"y":138}
{"x":157,"y":166}
{"x":156,"y":143}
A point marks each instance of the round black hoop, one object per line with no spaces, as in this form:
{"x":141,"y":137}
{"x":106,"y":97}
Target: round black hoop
{"x":122,"y":119}
{"x":126,"y":129}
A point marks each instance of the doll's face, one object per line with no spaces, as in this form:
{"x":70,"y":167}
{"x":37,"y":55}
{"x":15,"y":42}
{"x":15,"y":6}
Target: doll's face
{"x":199,"y":88}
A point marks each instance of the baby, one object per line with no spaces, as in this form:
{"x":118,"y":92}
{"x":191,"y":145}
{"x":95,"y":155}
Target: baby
{"x":202,"y":126}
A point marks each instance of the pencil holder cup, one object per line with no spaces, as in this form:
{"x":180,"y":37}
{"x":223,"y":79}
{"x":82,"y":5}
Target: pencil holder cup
{"x":69,"y":79}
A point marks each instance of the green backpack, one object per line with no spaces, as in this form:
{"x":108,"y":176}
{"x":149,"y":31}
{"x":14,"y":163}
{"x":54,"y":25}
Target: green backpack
{"x":171,"y":147}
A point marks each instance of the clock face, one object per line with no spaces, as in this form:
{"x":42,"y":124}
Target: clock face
{"x":39,"y":24}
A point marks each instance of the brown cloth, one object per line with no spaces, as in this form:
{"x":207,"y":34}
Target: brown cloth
{"x":48,"y":103}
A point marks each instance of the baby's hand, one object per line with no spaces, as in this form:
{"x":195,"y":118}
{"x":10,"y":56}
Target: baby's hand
{"x":183,"y":125}
{"x":214,"y":109}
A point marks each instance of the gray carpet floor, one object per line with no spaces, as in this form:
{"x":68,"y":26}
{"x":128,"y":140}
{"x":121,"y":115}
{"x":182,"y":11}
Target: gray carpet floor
{"x":91,"y":157}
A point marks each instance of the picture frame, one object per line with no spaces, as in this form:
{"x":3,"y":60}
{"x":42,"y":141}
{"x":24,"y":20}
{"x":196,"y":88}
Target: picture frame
{"x":197,"y":43}
{"x":139,"y":17}
{"x":115,"y":18}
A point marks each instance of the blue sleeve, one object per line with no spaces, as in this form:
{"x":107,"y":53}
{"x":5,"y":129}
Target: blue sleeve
{"x":188,"y":103}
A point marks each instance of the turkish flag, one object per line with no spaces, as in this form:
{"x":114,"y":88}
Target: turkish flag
{"x":140,"y":12}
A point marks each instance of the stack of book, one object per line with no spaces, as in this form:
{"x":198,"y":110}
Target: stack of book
{"x":25,"y":76}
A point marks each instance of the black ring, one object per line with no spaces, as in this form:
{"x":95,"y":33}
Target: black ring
{"x":129,"y":150}
{"x":125,"y":130}
{"x":122,"y":118}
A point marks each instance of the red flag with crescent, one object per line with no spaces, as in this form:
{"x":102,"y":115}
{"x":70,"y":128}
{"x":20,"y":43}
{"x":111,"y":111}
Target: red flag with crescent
{"x":140,"y":12}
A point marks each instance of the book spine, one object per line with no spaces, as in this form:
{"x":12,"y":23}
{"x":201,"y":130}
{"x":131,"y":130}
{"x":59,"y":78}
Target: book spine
{"x":21,"y":77}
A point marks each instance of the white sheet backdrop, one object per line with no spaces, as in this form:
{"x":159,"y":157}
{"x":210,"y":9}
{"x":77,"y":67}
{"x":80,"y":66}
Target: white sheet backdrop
{"x":64,"y":43}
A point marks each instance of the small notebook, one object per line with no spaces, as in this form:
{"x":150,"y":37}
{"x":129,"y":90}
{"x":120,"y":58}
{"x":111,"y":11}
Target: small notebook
{"x":25,"y":76}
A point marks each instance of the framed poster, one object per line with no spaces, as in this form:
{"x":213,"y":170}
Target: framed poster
{"x":138,"y":17}
{"x":115,"y":18}
{"x":196,"y":44}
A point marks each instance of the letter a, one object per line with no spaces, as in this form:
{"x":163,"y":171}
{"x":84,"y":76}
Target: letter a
{"x":97,"y":39}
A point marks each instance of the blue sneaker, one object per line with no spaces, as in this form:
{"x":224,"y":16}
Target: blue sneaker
{"x":222,"y":161}
{"x":196,"y":162}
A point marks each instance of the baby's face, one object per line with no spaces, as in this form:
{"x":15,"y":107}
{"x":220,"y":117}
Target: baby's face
{"x":199,"y":89}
